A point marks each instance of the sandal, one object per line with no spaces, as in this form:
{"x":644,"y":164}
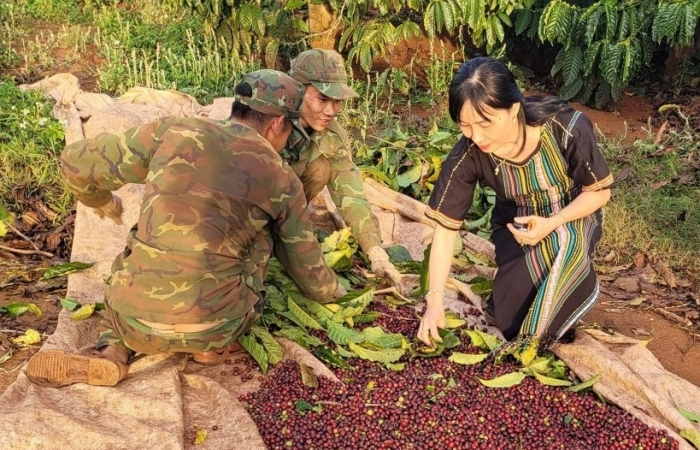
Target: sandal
{"x":214,"y":357}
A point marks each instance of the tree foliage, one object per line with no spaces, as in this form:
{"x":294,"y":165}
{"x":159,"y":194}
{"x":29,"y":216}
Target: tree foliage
{"x":603,"y":44}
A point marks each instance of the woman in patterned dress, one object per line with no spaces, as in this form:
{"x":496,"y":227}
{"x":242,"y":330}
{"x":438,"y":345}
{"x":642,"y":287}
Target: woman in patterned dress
{"x":541,"y":158}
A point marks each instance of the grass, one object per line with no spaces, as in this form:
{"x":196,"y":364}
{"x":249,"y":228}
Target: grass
{"x":30,"y":142}
{"x":655,"y":210}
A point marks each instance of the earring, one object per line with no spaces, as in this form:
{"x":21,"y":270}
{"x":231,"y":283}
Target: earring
{"x":513,"y":119}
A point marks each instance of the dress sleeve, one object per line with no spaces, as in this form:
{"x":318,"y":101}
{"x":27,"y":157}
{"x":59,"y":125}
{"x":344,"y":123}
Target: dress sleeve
{"x":586,"y":163}
{"x":454,"y":191}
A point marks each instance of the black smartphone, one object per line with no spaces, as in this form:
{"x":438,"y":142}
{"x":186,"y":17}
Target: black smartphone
{"x":520,"y":226}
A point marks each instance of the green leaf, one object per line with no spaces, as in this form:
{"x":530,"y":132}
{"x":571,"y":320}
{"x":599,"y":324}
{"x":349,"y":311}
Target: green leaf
{"x":300,"y":336}
{"x":551,"y":381}
{"x":691,"y":435}
{"x":569,"y":91}
{"x":467,"y":359}
{"x":316,"y":308}
{"x":689,"y":21}
{"x":410,"y":176}
{"x":454,"y":322}
{"x":70,"y":304}
{"x":629,"y":63}
{"x":366,"y":318}
{"x":382,"y":356}
{"x":328,"y":356}
{"x":504,"y":381}
{"x":303,"y":405}
{"x":341,"y":334}
{"x":449,"y":339}
{"x":523,"y":20}
{"x":573,"y":63}
{"x":17,"y":309}
{"x":301,"y":315}
{"x":611,"y":20}
{"x":429,"y":20}
{"x":398,"y":254}
{"x":558,"y":62}
{"x":256,"y":350}
{"x":590,"y":56}
{"x":585,"y":384}
{"x":397,"y":367}
{"x":294,"y":4}
{"x":624,"y":27}
{"x":380,"y":338}
{"x":610,"y":62}
{"x":505,"y":19}
{"x":275,"y":352}
{"x":356,"y":298}
{"x":693,"y":417}
{"x":602,"y":95}
{"x":64,"y":269}
{"x":424,"y":278}
{"x":83,"y":312}
{"x":592,"y":22}
{"x":483,"y":340}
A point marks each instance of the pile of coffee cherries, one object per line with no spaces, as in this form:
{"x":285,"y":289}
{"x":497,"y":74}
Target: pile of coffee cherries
{"x":435,"y":404}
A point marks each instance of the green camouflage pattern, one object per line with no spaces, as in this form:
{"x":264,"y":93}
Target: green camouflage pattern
{"x":274,"y":93}
{"x":136,"y":337}
{"x":217,"y":198}
{"x":344,"y":183}
{"x":324,"y":70}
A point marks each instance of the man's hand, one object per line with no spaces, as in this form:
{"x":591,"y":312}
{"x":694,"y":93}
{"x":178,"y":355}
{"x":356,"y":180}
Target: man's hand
{"x":112,"y":209}
{"x":383,"y":268}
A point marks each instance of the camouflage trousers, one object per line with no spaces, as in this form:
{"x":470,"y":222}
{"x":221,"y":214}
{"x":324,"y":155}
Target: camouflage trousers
{"x":137,"y":337}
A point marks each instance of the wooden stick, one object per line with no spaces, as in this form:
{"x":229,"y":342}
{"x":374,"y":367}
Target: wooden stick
{"x":19,"y":233}
{"x":674,"y":317}
{"x":26,"y":252}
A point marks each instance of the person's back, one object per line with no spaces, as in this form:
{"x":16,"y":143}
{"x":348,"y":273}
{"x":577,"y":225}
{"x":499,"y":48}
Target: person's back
{"x":203,"y":227}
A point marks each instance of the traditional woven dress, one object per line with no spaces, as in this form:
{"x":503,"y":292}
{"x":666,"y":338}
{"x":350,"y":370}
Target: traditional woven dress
{"x":539,"y":291}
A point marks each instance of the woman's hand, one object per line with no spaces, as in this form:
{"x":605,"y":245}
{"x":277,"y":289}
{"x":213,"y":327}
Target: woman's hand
{"x":433,"y":318}
{"x":539,"y":228}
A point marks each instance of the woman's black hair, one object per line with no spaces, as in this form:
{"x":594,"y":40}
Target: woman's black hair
{"x":244,"y":112}
{"x":487,"y":82}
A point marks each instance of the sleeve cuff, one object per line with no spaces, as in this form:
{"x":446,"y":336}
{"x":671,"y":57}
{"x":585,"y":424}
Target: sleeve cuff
{"x":443,"y":220}
{"x":600,"y":185}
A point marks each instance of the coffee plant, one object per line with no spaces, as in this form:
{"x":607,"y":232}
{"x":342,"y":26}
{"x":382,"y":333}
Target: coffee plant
{"x":604,"y":44}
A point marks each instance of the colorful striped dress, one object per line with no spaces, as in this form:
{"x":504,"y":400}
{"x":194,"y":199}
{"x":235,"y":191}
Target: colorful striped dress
{"x":539,"y":291}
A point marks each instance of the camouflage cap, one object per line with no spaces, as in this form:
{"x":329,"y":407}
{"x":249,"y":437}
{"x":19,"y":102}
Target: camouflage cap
{"x":324,"y":70}
{"x":275,"y":93}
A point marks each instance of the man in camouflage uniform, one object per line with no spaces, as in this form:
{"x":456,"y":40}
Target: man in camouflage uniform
{"x":217,"y":198}
{"x":325,"y":160}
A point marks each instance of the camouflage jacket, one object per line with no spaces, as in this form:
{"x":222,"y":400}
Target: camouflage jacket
{"x":217,"y":198}
{"x":345,"y":183}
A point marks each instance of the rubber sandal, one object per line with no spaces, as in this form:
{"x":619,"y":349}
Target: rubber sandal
{"x":56,"y":368}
